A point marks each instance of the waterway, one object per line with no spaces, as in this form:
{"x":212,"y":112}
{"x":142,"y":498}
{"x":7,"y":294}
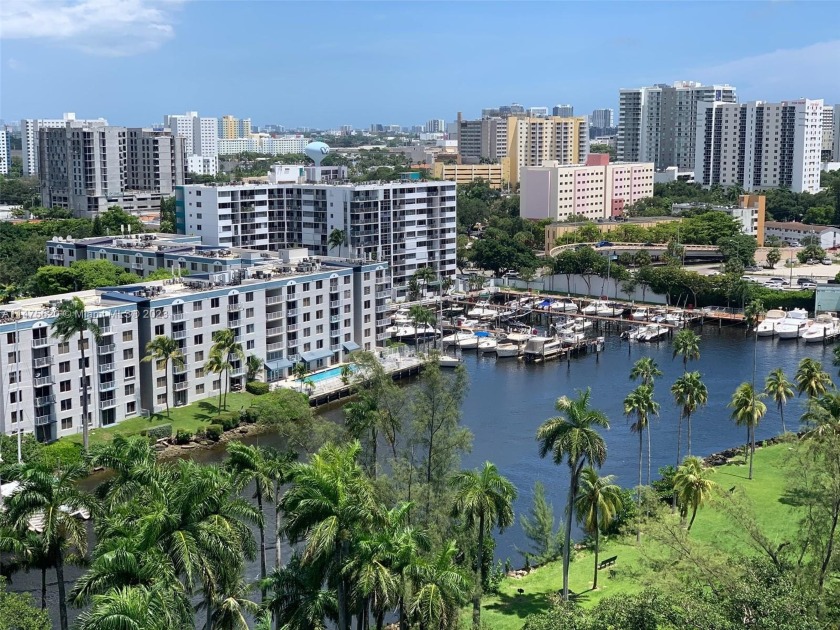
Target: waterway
{"x":509,"y":399}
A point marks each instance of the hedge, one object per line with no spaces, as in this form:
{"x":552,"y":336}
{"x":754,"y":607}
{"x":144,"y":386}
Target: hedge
{"x":229,"y":420}
{"x":182,"y":436}
{"x":158,"y":432}
{"x":257,"y":388}
{"x":61,"y":454}
{"x":213,"y":432}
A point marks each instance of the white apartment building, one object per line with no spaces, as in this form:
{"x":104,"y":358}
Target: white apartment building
{"x":835,"y":151}
{"x":658,"y":123}
{"x":201,"y":139}
{"x":601,"y":118}
{"x":408,"y":225}
{"x":263,"y":143}
{"x":288,"y":309}
{"x":29,"y":128}
{"x":759,"y":145}
{"x":597,"y":190}
{"x":5,"y":155}
{"x":435,"y":125}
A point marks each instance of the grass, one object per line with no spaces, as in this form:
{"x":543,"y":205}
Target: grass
{"x":508,"y":609}
{"x":190,"y":418}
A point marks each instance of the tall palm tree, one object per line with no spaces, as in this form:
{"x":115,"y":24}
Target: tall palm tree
{"x":225,"y":344}
{"x":778,"y":388}
{"x":299,"y":371}
{"x":646,"y":370}
{"x":572,"y":436}
{"x":425,"y":275}
{"x":812,"y":380}
{"x":250,"y":465}
{"x":132,"y":464}
{"x":421,"y":316}
{"x":641,"y":404}
{"x":279,"y":465}
{"x":73,"y":320}
{"x":362,"y":421}
{"x":598,"y":501}
{"x":687,"y":346}
{"x":53,"y":499}
{"x":330,"y":499}
{"x":440,"y":590}
{"x":217,"y":364}
{"x":690,"y":393}
{"x":253,"y":367}
{"x":747,"y":411}
{"x":232,"y":608}
{"x":693,"y":486}
{"x":298,"y":597}
{"x":484,"y":499}
{"x":336,"y":238}
{"x":163,"y":350}
{"x":752,"y":313}
{"x":136,"y":607}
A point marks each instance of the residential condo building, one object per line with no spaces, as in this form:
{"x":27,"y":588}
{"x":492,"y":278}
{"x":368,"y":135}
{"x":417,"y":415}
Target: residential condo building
{"x":263,"y":143}
{"x":564,"y":111}
{"x":201,"y":138}
{"x":29,"y":128}
{"x":601,"y":118}
{"x":231,"y":128}
{"x":5,"y":154}
{"x":496,"y":175}
{"x":759,"y":145}
{"x":658,"y":124}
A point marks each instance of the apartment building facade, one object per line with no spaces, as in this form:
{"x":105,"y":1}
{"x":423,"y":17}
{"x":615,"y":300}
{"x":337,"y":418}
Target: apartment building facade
{"x":286,"y":310}
{"x":29,"y":136}
{"x":658,"y":123}
{"x":496,"y":175}
{"x":5,"y":154}
{"x":596,"y":190}
{"x":263,"y":143}
{"x":407,"y":225}
{"x":201,"y":138}
{"x":231,"y":128}
{"x":759,"y":145}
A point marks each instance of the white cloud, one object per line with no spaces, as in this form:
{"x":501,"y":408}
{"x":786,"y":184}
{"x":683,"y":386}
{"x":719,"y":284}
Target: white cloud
{"x":809,"y":72}
{"x":102,"y":27}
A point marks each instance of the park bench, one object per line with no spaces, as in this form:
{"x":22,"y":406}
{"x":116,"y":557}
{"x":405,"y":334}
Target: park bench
{"x":607,"y":563}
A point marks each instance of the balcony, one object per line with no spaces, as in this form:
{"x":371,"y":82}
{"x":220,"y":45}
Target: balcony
{"x":274,"y":315}
{"x":382,"y":308}
{"x":335,"y":303}
{"x":108,"y":404}
{"x":181,"y":386}
{"x":41,"y":421}
{"x":273,"y":347}
{"x":42,"y":362}
{"x":177,"y":317}
{"x":107,"y":386}
{"x":335,"y":347}
{"x":292,"y":312}
{"x":44,"y":400}
{"x":44,"y":380}
{"x":137,"y":265}
{"x":274,"y":330}
{"x":107,"y":367}
{"x":106,"y":349}
{"x":179,"y":334}
{"x":381,"y":295}
{"x":275,"y":299}
{"x":233,"y":308}
{"x":383,"y":322}
{"x":334,"y":319}
{"x":238,"y":371}
{"x":292,"y":343}
{"x":180,"y":369}
{"x":335,"y":333}
{"x":293,"y":327}
{"x":382,"y":336}
{"x":40,"y":342}
{"x":105,"y":330}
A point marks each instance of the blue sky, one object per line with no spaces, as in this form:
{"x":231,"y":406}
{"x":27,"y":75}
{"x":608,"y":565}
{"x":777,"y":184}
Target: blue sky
{"x":324,"y":64}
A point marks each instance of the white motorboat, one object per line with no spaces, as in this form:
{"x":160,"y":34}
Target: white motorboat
{"x":472,"y":342}
{"x":794,"y":324}
{"x":675,"y":317}
{"x":581,"y":324}
{"x":613,"y":309}
{"x":482,"y":310}
{"x":457,"y":338}
{"x":508,"y":349}
{"x":420,"y":333}
{"x":542,"y":348}
{"x":572,"y":338}
{"x":563,"y":305}
{"x":825,"y":328}
{"x":639,"y":314}
{"x":400,"y":317}
{"x":488,"y":344}
{"x":447,"y":361}
{"x":772,"y":319}
{"x":595,"y":307}
{"x":653,"y":332}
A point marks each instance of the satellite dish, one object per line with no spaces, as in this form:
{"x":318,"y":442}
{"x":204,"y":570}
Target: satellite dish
{"x":316,"y":151}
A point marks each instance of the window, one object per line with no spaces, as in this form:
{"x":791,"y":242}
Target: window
{"x":128,"y":373}
{"x":86,"y":344}
{"x":197,"y":305}
{"x":198,"y":322}
{"x":128,"y":335}
{"x":319,"y":284}
{"x":161,"y":381}
{"x":306,"y":286}
{"x":130,"y":407}
{"x":249,"y":297}
{"x":198,"y":340}
{"x":214,"y":319}
{"x":129,"y":389}
{"x":64,"y":367}
{"x":161,"y":399}
{"x":199,"y":389}
{"x":200,"y":372}
{"x":306,"y":301}
{"x":199,"y":356}
{"x":249,"y":312}
{"x":128,"y":354}
{"x":64,"y":386}
{"x":13,"y":397}
{"x":63,"y":347}
{"x":217,"y":385}
{"x":249,"y":329}
{"x":319,"y":299}
{"x":67,"y":404}
{"x":214,"y":303}
{"x":250,"y":344}
{"x":66,"y":424}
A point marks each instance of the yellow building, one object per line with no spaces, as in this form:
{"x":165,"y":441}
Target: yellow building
{"x":495,"y":174}
{"x":532,"y":141}
{"x":233,"y":128}
{"x":756,"y":204}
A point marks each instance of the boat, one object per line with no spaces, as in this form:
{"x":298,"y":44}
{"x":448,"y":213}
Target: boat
{"x":794,"y":324}
{"x":595,"y":307}
{"x":482,"y":310}
{"x":400,"y":317}
{"x":581,"y":324}
{"x":410,"y":333}
{"x":508,"y":349}
{"x":675,"y":317}
{"x":447,"y":361}
{"x":572,"y":338}
{"x":772,"y":319}
{"x":653,"y":332}
{"x":457,"y":338}
{"x":640,"y":313}
{"x":563,"y":305}
{"x":472,"y":342}
{"x":615,"y":309}
{"x":825,"y":328}
{"x":542,"y":348}
{"x":488,"y":344}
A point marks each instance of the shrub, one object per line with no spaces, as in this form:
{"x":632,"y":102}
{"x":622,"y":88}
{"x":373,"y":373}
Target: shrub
{"x":61,"y":454}
{"x":158,"y":432}
{"x":213,"y":432}
{"x":229,"y":420}
{"x":248,"y":416}
{"x":257,"y":388}
{"x":182,"y":436}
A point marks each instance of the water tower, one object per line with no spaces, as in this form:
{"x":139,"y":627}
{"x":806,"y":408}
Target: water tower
{"x":316,"y":151}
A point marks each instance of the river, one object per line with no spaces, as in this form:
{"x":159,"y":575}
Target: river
{"x":508,"y":400}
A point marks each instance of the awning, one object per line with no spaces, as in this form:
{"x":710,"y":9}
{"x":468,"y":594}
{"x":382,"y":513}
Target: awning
{"x":316,"y":354}
{"x":350,"y":346}
{"x":280,"y":364}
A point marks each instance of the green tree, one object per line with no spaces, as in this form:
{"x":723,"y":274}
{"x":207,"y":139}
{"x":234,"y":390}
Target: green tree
{"x":440,"y":590}
{"x":17,"y":612}
{"x":693,"y":486}
{"x":778,"y":388}
{"x":687,"y":346}
{"x":164,"y":350}
{"x":484,"y":499}
{"x":747,"y":411}
{"x":421,"y":317}
{"x":690,"y":393}
{"x":646,"y":370}
{"x":572,"y":436}
{"x":812,"y":380}
{"x":116,"y":221}
{"x":774,"y":255}
{"x":298,"y":598}
{"x":72,"y":320}
{"x":752,"y":313}
{"x":229,"y":350}
{"x":539,"y":527}
{"x":253,"y":367}
{"x":362,"y":420}
{"x":337,"y":238}
{"x":640,"y":403}
{"x":597,"y":503}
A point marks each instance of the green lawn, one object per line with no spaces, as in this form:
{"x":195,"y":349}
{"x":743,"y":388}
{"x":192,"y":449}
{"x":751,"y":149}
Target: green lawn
{"x":189,"y":417}
{"x":509,"y":609}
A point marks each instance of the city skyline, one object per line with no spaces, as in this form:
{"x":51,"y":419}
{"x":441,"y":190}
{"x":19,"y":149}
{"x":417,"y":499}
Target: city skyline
{"x":276,"y":49}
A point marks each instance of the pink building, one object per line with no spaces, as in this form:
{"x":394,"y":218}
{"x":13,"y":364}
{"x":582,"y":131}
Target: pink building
{"x":595,"y":190}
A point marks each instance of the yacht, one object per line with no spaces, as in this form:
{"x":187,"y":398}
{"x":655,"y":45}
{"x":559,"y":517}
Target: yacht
{"x":640,"y":313}
{"x":488,"y":344}
{"x":410,"y":333}
{"x":457,"y":338}
{"x":542,"y":348}
{"x":794,"y":324}
{"x":615,"y":309}
{"x":473,"y":341}
{"x":564,"y":305}
{"x":581,"y":324}
{"x":825,"y":328}
{"x":572,"y":338}
{"x":448,"y":361}
{"x":596,"y":307}
{"x":508,"y":349}
{"x":772,"y":319}
{"x":675,"y":317}
{"x":653,"y":332}
{"x":482,"y":310}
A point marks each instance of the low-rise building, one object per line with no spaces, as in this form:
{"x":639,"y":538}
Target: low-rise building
{"x":595,"y":190}
{"x":793,"y":231}
{"x":749,"y":213}
{"x":286,"y":308}
{"x":496,"y":175}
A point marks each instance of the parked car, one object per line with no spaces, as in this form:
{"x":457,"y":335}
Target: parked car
{"x":605,"y":244}
{"x":801,"y":281}
{"x":808,"y":285}
{"x":777,"y":280}
{"x":826,"y":261}
{"x":752,"y":268}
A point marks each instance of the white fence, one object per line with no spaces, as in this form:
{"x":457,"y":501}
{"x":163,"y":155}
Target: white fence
{"x":577,"y":285}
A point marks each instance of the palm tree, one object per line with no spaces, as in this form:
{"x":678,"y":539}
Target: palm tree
{"x":440,"y":590}
{"x":690,"y":394}
{"x":425,"y":275}
{"x":421,"y":316}
{"x":337,"y":238}
{"x":133,"y":607}
{"x":598,"y":501}
{"x":299,"y":371}
{"x":53,"y":498}
{"x":162,"y":350}
{"x":217,"y":364}
{"x":779,"y":389}
{"x":362,"y":421}
{"x":483,"y":498}
{"x":747,"y":411}
{"x":73,"y":320}
{"x":687,"y":346}
{"x":752,"y":313}
{"x":640,"y":403}
{"x":253,"y":367}
{"x":226,"y":346}
{"x":693,"y":486}
{"x":812,"y":380}
{"x":645,"y":369}
{"x":131,"y":461}
{"x":249,"y":465}
{"x":232,"y":606}
{"x":279,"y":468}
{"x":330,"y":499}
{"x":298,"y":599}
{"x":573,"y":436}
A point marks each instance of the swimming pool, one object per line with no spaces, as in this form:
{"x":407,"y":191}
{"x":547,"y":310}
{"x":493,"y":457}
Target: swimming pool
{"x":334,"y":372}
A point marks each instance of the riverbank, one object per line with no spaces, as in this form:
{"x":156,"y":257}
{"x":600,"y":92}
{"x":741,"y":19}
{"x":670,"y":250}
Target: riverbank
{"x":508,"y":609}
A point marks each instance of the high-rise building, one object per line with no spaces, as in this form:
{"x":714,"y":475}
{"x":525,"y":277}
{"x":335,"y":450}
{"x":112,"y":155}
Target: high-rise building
{"x":829,"y":128}
{"x":435,"y":125}
{"x":566,"y":111}
{"x":532,"y":141}
{"x":759,"y":145}
{"x":231,"y":128}
{"x":835,"y":151}
{"x":201,"y":141}
{"x":87,"y":167}
{"x":469,"y":139}
{"x":658,"y":124}
{"x":5,"y":154}
{"x":601,"y":118}
{"x":538,"y":112}
{"x":29,"y":137}
{"x":408,"y":224}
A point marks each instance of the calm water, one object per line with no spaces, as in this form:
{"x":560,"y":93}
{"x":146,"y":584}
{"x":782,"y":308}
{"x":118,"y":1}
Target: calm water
{"x":508,"y":400}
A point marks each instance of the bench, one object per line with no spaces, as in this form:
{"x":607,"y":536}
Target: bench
{"x":607,"y":563}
